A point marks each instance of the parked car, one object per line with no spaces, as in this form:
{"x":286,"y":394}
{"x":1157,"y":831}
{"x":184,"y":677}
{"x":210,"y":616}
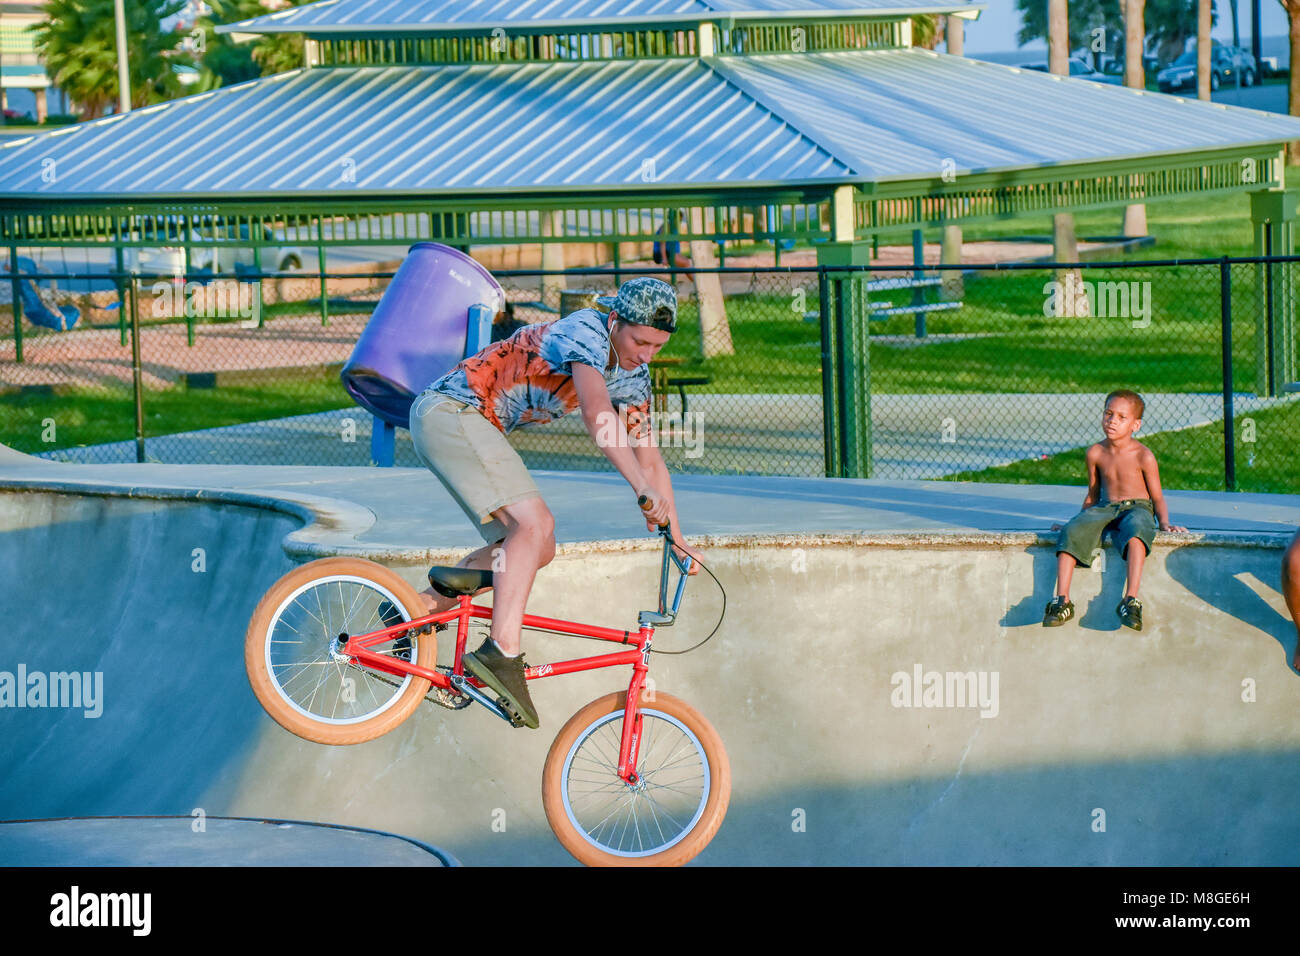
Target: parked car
{"x":1227,"y":64}
{"x":170,"y":259}
{"x":1080,"y":70}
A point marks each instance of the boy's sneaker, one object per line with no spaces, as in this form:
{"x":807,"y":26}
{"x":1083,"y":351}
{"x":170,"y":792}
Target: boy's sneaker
{"x":505,"y":675}
{"x":1058,"y":612}
{"x":1130,"y":613}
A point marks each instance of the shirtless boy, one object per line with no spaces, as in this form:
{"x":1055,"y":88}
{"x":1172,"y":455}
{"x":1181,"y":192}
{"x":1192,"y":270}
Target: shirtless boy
{"x":1133,"y":504}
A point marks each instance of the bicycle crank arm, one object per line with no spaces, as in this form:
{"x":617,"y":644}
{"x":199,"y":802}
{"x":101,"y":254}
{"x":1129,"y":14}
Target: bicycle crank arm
{"x":459,"y":682}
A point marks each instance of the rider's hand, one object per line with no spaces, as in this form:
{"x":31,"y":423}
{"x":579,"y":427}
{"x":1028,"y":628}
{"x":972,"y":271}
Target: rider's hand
{"x":685,"y":549}
{"x":658,"y":513}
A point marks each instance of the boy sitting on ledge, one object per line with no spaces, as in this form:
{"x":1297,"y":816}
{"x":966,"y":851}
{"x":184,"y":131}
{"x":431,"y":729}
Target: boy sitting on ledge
{"x":1126,"y":470}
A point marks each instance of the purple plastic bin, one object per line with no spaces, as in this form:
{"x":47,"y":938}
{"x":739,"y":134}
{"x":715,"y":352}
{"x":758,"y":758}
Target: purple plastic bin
{"x":417,"y":331}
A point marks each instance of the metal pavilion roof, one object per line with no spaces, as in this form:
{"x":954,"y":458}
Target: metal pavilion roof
{"x":900,"y":114}
{"x":389,"y":16}
{"x":786,"y":120}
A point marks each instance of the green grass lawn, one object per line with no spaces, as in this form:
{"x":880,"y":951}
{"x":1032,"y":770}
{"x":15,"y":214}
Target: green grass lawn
{"x":1189,"y":459}
{"x":91,"y":417}
{"x":1013,"y":347}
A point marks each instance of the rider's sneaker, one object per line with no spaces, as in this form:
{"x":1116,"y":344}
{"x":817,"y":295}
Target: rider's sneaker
{"x":505,"y":675}
{"x":1130,"y":613}
{"x":1058,"y":612}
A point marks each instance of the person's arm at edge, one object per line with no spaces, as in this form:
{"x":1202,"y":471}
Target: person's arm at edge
{"x":1151,"y":475}
{"x":1094,"y":478}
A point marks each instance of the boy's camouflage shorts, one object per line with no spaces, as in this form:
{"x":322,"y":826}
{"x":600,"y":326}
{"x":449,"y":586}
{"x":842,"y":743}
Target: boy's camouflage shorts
{"x":1129,"y":519}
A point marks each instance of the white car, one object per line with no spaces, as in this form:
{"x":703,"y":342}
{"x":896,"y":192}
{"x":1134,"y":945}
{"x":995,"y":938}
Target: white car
{"x":170,"y":260}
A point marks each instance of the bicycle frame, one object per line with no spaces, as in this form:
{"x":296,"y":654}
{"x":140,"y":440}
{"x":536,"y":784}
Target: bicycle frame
{"x":358,"y":647}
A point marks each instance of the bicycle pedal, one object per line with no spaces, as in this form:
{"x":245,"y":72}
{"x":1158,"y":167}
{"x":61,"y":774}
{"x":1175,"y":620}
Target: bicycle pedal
{"x":515,"y":719}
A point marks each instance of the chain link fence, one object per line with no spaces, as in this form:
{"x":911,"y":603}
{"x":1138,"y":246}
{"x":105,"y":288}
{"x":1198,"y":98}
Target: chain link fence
{"x":989,"y":373}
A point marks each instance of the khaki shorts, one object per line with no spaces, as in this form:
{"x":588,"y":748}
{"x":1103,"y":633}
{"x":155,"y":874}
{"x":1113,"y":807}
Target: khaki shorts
{"x":471,"y":458}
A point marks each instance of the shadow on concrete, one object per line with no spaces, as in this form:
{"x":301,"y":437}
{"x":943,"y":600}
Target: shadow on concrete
{"x":1167,"y":812}
{"x":1097,"y":614}
{"x":1244,"y":583}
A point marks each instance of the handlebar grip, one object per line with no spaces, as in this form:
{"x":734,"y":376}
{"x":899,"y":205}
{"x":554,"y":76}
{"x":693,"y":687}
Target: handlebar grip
{"x":646,"y":504}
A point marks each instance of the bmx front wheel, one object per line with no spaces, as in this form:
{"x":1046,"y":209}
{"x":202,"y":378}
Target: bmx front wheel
{"x":292,"y":651}
{"x":668,"y":816}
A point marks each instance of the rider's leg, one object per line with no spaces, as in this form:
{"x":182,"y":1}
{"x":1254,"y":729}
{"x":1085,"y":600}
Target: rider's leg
{"x":481,"y":560}
{"x":529,"y":545}
{"x":486,"y":558}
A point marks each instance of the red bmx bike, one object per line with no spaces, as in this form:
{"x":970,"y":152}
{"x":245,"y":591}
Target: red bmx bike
{"x":631,"y":778}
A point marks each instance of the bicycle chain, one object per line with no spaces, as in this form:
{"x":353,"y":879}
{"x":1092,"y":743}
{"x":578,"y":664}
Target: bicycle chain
{"x":436,"y":695}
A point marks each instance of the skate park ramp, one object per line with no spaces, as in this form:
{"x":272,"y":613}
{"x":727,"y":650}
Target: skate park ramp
{"x":205,"y":841}
{"x":884,"y":699}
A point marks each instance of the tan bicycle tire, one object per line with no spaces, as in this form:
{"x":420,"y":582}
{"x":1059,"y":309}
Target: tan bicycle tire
{"x":688,"y":847}
{"x":263,"y":684}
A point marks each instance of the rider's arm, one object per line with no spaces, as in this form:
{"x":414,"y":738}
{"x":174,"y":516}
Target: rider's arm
{"x":656,"y":472}
{"x":609,"y":434}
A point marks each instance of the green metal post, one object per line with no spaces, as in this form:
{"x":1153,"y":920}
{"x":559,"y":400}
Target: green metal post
{"x":1273,"y":217}
{"x":830,"y":402}
{"x":18,"y":303}
{"x":324,"y":297}
{"x":848,"y":293}
{"x":136,"y":378}
{"x":257,"y":286}
{"x":121,"y":295}
{"x":189,"y":313}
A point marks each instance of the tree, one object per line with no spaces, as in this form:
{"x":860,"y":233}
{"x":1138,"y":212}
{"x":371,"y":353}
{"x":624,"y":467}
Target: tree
{"x":1292,"y":8}
{"x":225,"y":62}
{"x":1170,"y":24}
{"x":1135,"y":214}
{"x":78,"y":43}
{"x":1086,"y":17}
{"x":926,"y":31}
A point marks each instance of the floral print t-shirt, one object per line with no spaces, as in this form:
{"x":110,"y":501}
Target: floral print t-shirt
{"x":528,"y":378}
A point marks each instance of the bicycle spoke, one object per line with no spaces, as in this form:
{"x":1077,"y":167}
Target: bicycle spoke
{"x":655,"y":813}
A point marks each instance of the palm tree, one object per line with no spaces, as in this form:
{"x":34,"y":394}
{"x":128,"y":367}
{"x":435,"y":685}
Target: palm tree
{"x":225,"y":62}
{"x":1204,"y":11}
{"x":1293,"y":88}
{"x":1064,"y":246}
{"x":1135,"y":214}
{"x":78,"y":44}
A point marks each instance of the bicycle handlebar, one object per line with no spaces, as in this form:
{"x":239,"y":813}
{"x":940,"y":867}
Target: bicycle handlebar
{"x":646,"y":504}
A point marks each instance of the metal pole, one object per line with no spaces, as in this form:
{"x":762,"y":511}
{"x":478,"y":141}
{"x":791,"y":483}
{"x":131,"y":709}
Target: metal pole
{"x":18,"y":304}
{"x":121,"y":292}
{"x":123,"y":74}
{"x":1229,"y":424}
{"x":918,"y":273}
{"x":137,"y":384}
{"x":830,"y":428}
{"x":324,"y":296}
{"x":1268,"y":305}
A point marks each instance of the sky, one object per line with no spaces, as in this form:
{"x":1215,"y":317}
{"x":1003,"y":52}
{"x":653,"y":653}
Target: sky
{"x":995,"y":30}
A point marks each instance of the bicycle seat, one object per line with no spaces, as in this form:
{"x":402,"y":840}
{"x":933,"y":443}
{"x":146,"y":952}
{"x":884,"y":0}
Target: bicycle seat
{"x":453,"y":582}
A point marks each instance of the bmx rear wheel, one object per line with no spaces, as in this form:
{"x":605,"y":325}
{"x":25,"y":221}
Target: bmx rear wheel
{"x":292,"y":651}
{"x":672,"y":812}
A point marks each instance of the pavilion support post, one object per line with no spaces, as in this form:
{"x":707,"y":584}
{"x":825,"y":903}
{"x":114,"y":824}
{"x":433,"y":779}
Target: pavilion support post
{"x":844,"y":307}
{"x":955,"y":36}
{"x":552,"y":257}
{"x":1273,"y":219}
